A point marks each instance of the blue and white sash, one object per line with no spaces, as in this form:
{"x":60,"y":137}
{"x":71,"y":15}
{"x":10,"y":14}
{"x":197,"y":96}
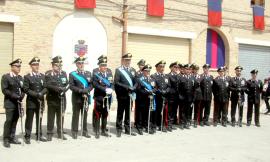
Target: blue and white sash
{"x":149,"y":87}
{"x":83,"y":81}
{"x":133,"y":95}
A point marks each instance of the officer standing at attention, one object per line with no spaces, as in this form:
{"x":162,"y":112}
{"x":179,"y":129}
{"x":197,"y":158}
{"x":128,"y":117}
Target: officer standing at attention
{"x":56,"y":82}
{"x":173,"y":96}
{"x":125,"y":85}
{"x":11,"y":85}
{"x":145,"y":92}
{"x":186,"y":89}
{"x":222,"y":94}
{"x":163,"y":88}
{"x":206,"y":87}
{"x":34,"y":88}
{"x":103,"y":84}
{"x":80,"y":84}
{"x":140,"y":64}
{"x":237,"y":88}
{"x":197,"y":96}
{"x":254,"y":90}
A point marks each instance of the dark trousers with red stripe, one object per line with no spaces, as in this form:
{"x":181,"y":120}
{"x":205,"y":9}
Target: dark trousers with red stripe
{"x":205,"y":110}
{"x":197,"y":111}
{"x":158,"y":113}
{"x":100,"y":112}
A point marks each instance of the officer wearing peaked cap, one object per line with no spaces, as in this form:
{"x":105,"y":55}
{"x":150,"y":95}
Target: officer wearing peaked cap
{"x":140,"y":64}
{"x":11,"y":85}
{"x":173,"y":97}
{"x":145,"y":96}
{"x":80,"y":84}
{"x":237,"y":88}
{"x":125,"y":85}
{"x":102,"y":57}
{"x":103,"y":84}
{"x":35,"y":90}
{"x":222,"y":93}
{"x":163,"y":88}
{"x":56,"y":82}
{"x":254,"y":89}
{"x":197,"y":95}
{"x":206,"y":85}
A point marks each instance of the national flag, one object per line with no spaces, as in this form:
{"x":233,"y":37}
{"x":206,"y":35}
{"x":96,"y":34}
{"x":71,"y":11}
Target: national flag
{"x":155,"y":8}
{"x":85,"y":3}
{"x":214,"y":13}
{"x":258,"y":17}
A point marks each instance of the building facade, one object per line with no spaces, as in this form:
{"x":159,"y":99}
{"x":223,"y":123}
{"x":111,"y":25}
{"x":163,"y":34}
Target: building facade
{"x":47,"y":28}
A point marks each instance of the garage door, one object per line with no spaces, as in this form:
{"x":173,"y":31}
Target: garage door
{"x":156,"y":48}
{"x":6,"y":51}
{"x":254,"y":57}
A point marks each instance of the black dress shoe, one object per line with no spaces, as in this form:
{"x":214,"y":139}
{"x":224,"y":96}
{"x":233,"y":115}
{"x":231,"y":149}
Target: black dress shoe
{"x":49,"y":137}
{"x":27,"y":140}
{"x":207,"y":123}
{"x":97,"y":135}
{"x":215,"y":124}
{"x":173,"y":128}
{"x":128,"y":133}
{"x":139,"y":131}
{"x":86,"y":135}
{"x":257,"y":124}
{"x":6,"y":144}
{"x":233,"y":124}
{"x":248,"y":124}
{"x":201,"y":124}
{"x":169,"y":129}
{"x":195,"y":125}
{"x":181,"y":126}
{"x":14,"y":141}
{"x":105,"y":134}
{"x":240,"y":124}
{"x":118,"y":133}
{"x":74,"y":135}
{"x":63,"y":137}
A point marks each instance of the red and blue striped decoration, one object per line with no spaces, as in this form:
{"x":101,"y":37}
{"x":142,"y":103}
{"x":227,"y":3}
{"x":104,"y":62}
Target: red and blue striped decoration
{"x":215,"y":49}
{"x":258,"y":17}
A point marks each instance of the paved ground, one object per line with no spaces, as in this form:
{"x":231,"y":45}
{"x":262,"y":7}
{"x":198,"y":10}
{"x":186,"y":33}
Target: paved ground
{"x":200,"y":144}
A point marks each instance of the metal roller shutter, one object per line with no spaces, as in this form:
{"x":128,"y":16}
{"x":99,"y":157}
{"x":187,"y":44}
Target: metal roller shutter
{"x":6,"y":51}
{"x":156,"y":48}
{"x":254,"y":57}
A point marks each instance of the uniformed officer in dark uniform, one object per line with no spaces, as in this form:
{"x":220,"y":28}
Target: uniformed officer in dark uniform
{"x":139,"y":74}
{"x":186,"y":89}
{"x":145,"y":92}
{"x":103,"y":84}
{"x":125,"y":85}
{"x":181,"y":98}
{"x":173,"y":96}
{"x":80,"y":84}
{"x":266,"y":90}
{"x":206,"y":84}
{"x":163,"y":88}
{"x":56,"y":82}
{"x":197,"y":96}
{"x":34,"y":88}
{"x":222,"y":93}
{"x":237,"y":88}
{"x":140,"y":64}
{"x":11,"y":85}
{"x":254,"y":90}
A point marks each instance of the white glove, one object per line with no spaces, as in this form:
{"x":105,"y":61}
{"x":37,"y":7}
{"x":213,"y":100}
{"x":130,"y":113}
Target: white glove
{"x":109,"y":91}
